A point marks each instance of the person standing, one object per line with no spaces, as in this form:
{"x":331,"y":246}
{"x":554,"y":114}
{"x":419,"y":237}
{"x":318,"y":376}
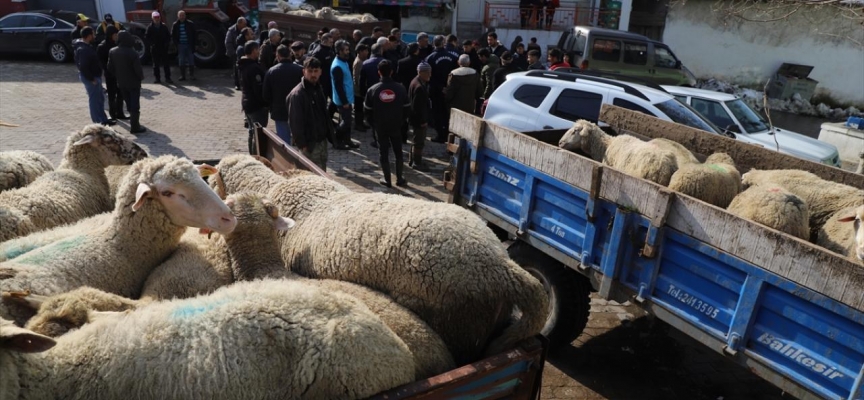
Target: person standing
{"x":487,"y":76}
{"x":324,"y":53}
{"x":90,"y":74}
{"x":102,"y":29}
{"x":268,"y":49}
{"x":556,"y":60}
{"x":418,"y":93}
{"x":453,"y":45}
{"x":362,"y":54}
{"x":183,"y":32}
{"x":298,"y":51}
{"x":343,"y":95}
{"x":494,"y":46}
{"x":252,"y":84}
{"x":442,"y":62}
{"x":507,"y":68}
{"x":369,"y":76}
{"x":406,"y":69}
{"x":311,"y":128}
{"x":423,"y":42}
{"x":265,"y":35}
{"x":551,"y":5}
{"x":159,"y":38}
{"x":278,"y":82}
{"x":463,"y":86}
{"x":532,"y":45}
{"x":81,"y":22}
{"x":520,"y":58}
{"x":231,"y":47}
{"x":115,"y":100}
{"x":534,"y":60}
{"x":123,"y":62}
{"x":468,"y":48}
{"x":401,"y":46}
{"x":387,"y":104}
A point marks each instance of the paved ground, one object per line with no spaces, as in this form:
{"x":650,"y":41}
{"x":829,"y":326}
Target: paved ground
{"x":620,"y":355}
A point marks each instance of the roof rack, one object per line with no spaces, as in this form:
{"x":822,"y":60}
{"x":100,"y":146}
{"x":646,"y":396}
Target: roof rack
{"x":567,"y":75}
{"x":612,"y":75}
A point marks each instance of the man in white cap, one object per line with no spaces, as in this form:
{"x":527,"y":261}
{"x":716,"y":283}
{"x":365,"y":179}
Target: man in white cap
{"x":159,"y":38}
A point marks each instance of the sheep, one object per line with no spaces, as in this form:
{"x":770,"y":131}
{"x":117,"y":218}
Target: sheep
{"x":775,"y":207}
{"x":351,"y":19}
{"x":716,"y":182}
{"x":158,"y":198}
{"x":115,"y":175}
{"x":460,"y":281}
{"x":76,"y":190}
{"x":301,"y":13}
{"x":841,"y":237}
{"x":16,"y":247}
{"x":682,"y":155}
{"x":366,"y":17}
{"x":20,"y":168}
{"x":262,"y":340}
{"x":823,"y":198}
{"x":326,"y":13}
{"x":626,"y":153}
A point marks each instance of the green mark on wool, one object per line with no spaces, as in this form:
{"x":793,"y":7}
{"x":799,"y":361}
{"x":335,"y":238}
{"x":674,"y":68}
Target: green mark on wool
{"x":717,"y":168}
{"x":188,"y":311}
{"x":51,"y":251}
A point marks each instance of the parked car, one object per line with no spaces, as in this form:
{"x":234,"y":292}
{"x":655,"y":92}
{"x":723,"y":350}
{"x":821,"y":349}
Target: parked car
{"x":625,"y":53}
{"x":43,"y":31}
{"x":732,"y":114}
{"x":537,"y":100}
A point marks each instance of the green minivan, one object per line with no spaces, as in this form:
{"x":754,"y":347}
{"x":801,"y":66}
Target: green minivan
{"x":624,"y":53}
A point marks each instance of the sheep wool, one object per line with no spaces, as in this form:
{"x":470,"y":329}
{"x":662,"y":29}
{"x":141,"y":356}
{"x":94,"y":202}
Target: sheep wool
{"x":716,"y":182}
{"x":261,"y":340}
{"x":843,"y":233}
{"x":682,"y":155}
{"x":22,"y":245}
{"x":76,"y":190}
{"x":19,"y":168}
{"x":775,"y":207}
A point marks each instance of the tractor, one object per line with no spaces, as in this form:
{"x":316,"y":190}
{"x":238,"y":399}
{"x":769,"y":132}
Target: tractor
{"x":211,"y":18}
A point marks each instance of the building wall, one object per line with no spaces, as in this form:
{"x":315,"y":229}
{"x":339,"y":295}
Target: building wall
{"x":749,"y":53}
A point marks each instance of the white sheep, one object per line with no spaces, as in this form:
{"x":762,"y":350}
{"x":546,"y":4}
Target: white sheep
{"x":843,"y":233}
{"x":251,"y":340}
{"x":157,"y":200}
{"x":19,"y":168}
{"x":682,"y":155}
{"x":716,"y":182}
{"x":775,"y":207}
{"x":823,"y":197}
{"x":301,"y":13}
{"x":115,"y":175}
{"x":625,"y":153}
{"x":76,"y":190}
{"x":366,"y":17}
{"x":460,"y":281}
{"x":21,"y":245}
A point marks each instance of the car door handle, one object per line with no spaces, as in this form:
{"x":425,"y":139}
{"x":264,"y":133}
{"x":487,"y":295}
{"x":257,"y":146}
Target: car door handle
{"x":547,"y":127}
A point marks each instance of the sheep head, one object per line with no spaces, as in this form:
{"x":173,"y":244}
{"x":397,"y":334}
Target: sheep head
{"x":111,"y":148}
{"x":858,"y":230}
{"x":22,"y":340}
{"x":256,"y":213}
{"x":720,"y":158}
{"x":579,"y":136}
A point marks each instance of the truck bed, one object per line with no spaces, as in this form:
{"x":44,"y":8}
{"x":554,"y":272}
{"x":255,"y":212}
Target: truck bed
{"x":787,"y":310}
{"x":305,"y":29}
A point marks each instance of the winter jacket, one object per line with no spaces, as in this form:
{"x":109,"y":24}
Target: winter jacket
{"x":498,"y":50}
{"x":87,"y":60}
{"x":536,"y":65}
{"x":418,"y":92}
{"x":231,"y":41}
{"x":124,"y":63}
{"x":325,"y":55}
{"x":387,"y":105}
{"x":500,"y":75}
{"x":343,"y":86}
{"x":252,"y":85}
{"x":278,"y":82}
{"x":487,"y":79}
{"x":475,"y":61}
{"x":442,"y":62}
{"x":158,"y":37}
{"x":560,"y":64}
{"x":406,"y":70}
{"x":369,"y":73}
{"x":307,"y":115}
{"x":520,"y":61}
{"x":267,"y":56}
{"x":463,"y":89}
{"x":190,"y":32}
{"x":102,"y":51}
{"x":356,"y":72}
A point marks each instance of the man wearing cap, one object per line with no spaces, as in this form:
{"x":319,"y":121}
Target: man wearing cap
{"x":115,"y":100}
{"x":507,"y":68}
{"x":418,"y":93}
{"x":268,"y":49}
{"x":81,"y":22}
{"x":252,"y":84}
{"x":159,"y":38}
{"x":90,"y":73}
{"x":343,"y":95}
{"x":298,"y":51}
{"x":101,"y":30}
{"x":183,"y":33}
{"x":278,"y":82}
{"x":387,"y":105}
{"x":231,"y":46}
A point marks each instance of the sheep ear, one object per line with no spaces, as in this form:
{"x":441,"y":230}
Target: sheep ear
{"x":206,"y":170}
{"x":847,"y":219}
{"x":25,"y":298}
{"x":24,"y":341}
{"x":141,"y":195}
{"x":283,"y":223}
{"x":85,"y":140}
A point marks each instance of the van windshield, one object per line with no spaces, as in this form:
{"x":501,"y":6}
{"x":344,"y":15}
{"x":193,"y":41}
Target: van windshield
{"x":680,"y":113}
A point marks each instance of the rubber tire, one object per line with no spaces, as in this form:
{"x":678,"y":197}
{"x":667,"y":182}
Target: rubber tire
{"x":569,"y":294}
{"x":217,"y":35}
{"x":64,"y":57}
{"x":141,"y":47}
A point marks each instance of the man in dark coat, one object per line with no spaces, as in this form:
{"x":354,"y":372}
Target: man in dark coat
{"x":124,"y":64}
{"x":425,"y":48}
{"x":468,"y":48}
{"x":278,"y":82}
{"x":184,"y":35}
{"x":159,"y":38}
{"x":268,"y":49}
{"x":463,"y":86}
{"x":387,"y":104}
{"x":406,"y":70}
{"x":311,"y":128}
{"x":102,"y":29}
{"x":115,"y":100}
{"x":534,"y":60}
{"x":520,"y":57}
{"x":507,"y":68}
{"x":90,"y":73}
{"x":324,"y":53}
{"x":369,"y":76}
{"x":231,"y":47}
{"x":442,"y":62}
{"x":418,"y":92}
{"x":252,"y":85}
{"x":495,"y":46}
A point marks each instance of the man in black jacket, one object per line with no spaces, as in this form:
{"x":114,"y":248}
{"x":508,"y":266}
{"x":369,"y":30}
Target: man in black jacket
{"x":268,"y":49}
{"x":91,"y":76}
{"x":81,"y":22}
{"x":252,"y":86}
{"x":184,"y":35}
{"x":443,"y":62}
{"x":311,"y":128}
{"x":418,"y":92}
{"x":278,"y":82}
{"x":159,"y":38}
{"x":124,"y":64}
{"x":387,"y":104}
{"x":115,"y":100}
{"x":507,"y":68}
{"x":324,"y":53}
{"x":406,"y":70}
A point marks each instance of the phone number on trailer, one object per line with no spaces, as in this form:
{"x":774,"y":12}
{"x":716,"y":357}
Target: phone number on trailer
{"x":693,"y":302}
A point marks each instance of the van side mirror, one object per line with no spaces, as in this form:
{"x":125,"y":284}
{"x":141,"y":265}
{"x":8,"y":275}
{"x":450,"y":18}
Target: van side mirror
{"x":732,"y":128}
{"x":678,"y":64}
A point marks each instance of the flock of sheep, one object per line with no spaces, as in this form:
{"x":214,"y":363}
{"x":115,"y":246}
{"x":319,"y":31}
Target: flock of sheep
{"x":326,"y":13}
{"x":250,"y":284}
{"x":792,"y":201}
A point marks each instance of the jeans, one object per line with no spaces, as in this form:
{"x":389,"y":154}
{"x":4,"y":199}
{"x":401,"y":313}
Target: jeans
{"x":283,"y":130}
{"x":343,"y":131}
{"x":185,"y":55}
{"x":261,"y":117}
{"x":96,"y":99}
{"x":132,"y":97}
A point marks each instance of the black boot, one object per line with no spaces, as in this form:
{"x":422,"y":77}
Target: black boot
{"x":400,"y":179}
{"x":119,"y":106}
{"x":112,"y":109}
{"x":192,"y":72}
{"x":417,"y":156}
{"x":134,"y":123}
{"x":385,"y":168}
{"x":182,"y":73}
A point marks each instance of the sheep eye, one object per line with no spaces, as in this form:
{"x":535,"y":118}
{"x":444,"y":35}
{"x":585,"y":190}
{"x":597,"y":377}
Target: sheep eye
{"x":167,"y":193}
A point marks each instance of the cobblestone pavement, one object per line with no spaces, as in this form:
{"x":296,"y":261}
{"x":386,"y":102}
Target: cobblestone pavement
{"x":620,"y":355}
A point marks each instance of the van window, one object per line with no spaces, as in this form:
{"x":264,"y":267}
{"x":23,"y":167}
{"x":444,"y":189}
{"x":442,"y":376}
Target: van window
{"x":635,"y":53}
{"x":680,"y":98}
{"x":631,"y":106}
{"x":581,"y":41}
{"x":531,"y":95}
{"x":606,"y":50}
{"x":576,"y":104}
{"x":663,"y":57}
{"x":712,"y":110}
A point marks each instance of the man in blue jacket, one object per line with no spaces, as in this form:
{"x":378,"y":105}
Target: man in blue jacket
{"x":90,"y":72}
{"x":343,"y":94}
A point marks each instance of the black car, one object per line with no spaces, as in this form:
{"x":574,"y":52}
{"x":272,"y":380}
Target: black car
{"x":48,"y":32}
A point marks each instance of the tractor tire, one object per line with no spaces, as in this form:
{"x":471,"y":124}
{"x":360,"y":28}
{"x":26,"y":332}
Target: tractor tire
{"x":209,"y":44}
{"x":569,"y":294}
{"x":140,"y":46}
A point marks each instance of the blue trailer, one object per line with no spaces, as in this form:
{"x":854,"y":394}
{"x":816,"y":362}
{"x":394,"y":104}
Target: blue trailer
{"x":787,"y":310}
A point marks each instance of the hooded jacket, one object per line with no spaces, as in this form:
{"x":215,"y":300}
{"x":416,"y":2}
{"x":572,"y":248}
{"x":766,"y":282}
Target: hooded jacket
{"x":487,"y":77}
{"x":463,"y":89}
{"x":87,"y":60}
{"x":252,"y":85}
{"x":102,"y":51}
{"x":124,"y":63}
